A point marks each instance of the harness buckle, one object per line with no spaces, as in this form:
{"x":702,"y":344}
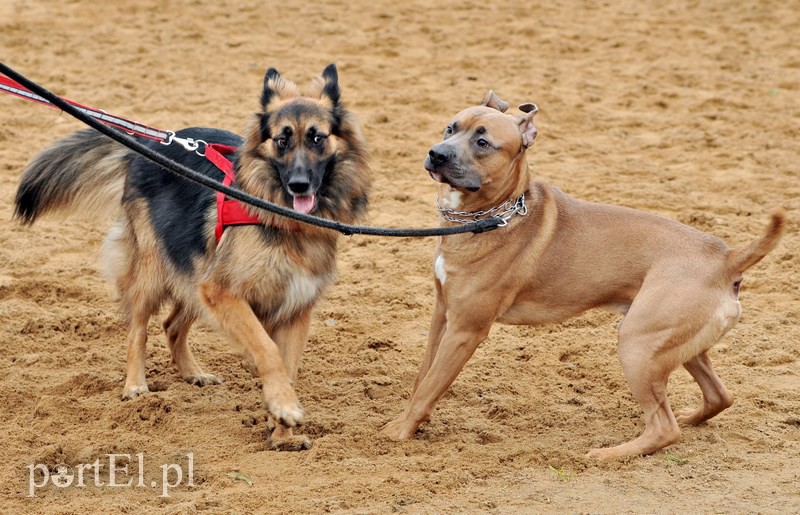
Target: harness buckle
{"x":190,"y":144}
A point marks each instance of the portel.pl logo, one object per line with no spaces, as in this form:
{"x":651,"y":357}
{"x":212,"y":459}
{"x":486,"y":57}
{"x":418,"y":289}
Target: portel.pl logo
{"x":110,"y":473}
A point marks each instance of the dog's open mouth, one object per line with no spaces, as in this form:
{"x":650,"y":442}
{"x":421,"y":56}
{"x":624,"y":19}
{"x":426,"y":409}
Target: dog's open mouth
{"x":304,"y":203}
{"x":435,"y":174}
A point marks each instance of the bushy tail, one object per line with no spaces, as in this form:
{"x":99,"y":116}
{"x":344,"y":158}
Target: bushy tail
{"x":743,"y":258}
{"x":82,"y":173}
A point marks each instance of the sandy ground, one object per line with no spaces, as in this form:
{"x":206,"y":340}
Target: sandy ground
{"x":690,"y":110}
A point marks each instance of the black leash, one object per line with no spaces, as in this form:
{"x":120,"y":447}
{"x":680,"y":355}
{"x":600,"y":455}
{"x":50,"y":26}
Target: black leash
{"x":189,"y":174}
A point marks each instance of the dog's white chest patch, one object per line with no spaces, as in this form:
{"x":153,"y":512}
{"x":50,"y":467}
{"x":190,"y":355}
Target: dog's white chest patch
{"x":452,"y":200}
{"x":303,"y":289}
{"x":438,"y":269}
{"x":301,"y":292}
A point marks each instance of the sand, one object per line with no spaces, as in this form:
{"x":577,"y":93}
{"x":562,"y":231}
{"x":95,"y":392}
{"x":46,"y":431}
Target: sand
{"x":690,"y":110}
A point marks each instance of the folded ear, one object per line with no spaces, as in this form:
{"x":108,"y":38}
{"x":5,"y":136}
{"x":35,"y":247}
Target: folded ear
{"x":270,"y":79}
{"x":495,"y":102}
{"x":525,"y":122}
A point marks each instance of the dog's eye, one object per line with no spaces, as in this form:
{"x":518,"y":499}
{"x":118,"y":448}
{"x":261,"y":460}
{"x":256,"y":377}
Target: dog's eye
{"x":281,"y":142}
{"x":449,"y":130}
{"x":319,"y":138}
{"x":482,"y":143}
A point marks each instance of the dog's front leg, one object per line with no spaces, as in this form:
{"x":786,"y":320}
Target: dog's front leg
{"x":438,"y":326}
{"x":457,"y":345}
{"x":291,"y":339}
{"x":237,"y":320}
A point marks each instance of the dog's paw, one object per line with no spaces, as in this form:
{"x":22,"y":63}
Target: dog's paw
{"x":281,"y":401}
{"x":689,"y":417}
{"x":289,"y":414}
{"x":603,"y":454}
{"x":396,"y":430}
{"x":286,"y":411}
{"x":131,"y":392}
{"x":202,"y":379}
{"x":289,"y":444}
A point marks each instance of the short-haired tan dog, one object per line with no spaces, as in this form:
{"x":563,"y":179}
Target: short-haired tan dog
{"x":558,"y":257}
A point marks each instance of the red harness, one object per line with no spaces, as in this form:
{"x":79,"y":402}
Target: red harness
{"x":229,"y":211}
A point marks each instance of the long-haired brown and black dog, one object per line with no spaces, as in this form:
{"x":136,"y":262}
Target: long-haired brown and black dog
{"x":259,"y":283}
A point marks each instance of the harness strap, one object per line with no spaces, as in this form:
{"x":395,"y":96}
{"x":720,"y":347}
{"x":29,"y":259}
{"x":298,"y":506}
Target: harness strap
{"x":229,"y":211}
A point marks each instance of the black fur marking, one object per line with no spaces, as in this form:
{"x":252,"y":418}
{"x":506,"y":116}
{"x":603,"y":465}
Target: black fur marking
{"x":330,"y":170}
{"x":330,"y":73}
{"x":267,"y":93}
{"x":359,"y":205}
{"x":179,"y":209}
{"x":331,"y":88}
{"x":272,"y":73}
{"x":298,"y":111}
{"x":311,"y":134}
{"x":26,"y":205}
{"x":327,"y":196}
{"x":276,"y":166}
{"x":334,"y":93}
{"x":285,"y":134}
{"x":263,"y":126}
{"x":273,"y":236}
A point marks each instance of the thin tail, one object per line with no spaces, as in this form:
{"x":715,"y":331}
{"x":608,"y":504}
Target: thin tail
{"x":743,"y":258}
{"x":82,"y":173}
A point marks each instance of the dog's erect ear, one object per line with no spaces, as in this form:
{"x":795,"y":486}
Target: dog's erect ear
{"x":270,"y":78}
{"x":495,"y":102}
{"x":332,"y":91}
{"x":331,"y":88}
{"x":525,"y":121}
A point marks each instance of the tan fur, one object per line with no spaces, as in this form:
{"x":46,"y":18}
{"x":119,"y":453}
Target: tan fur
{"x":674,"y":284}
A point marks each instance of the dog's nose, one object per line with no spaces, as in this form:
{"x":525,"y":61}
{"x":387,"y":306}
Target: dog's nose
{"x":439,"y":157}
{"x":298,"y":185}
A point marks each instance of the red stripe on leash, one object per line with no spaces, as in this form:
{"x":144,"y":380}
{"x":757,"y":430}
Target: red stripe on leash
{"x":18,"y":90}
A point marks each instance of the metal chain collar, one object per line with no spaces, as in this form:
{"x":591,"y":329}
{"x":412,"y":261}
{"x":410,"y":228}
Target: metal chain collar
{"x":504,"y":212}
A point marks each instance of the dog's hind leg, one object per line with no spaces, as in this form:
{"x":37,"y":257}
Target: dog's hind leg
{"x":236,"y":318}
{"x":141,"y":297}
{"x":176,"y":327}
{"x":668,"y":325}
{"x":716,"y":397}
{"x":291,"y":339}
{"x":647,"y":377}
{"x":651,"y":346}
{"x":135,"y":382}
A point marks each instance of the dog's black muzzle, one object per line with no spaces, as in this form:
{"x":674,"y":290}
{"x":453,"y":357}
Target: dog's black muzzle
{"x":440,"y":155}
{"x":443,"y":166}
